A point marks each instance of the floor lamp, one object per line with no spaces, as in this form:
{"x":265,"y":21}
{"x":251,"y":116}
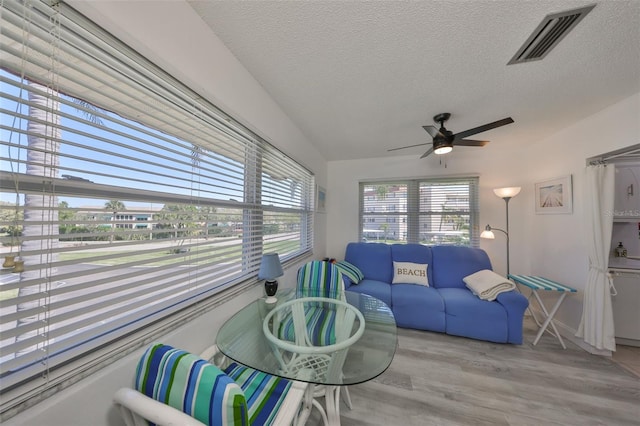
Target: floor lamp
{"x":506,"y":194}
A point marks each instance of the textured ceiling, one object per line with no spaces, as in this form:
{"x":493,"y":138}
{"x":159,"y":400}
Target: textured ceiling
{"x":361,"y":77}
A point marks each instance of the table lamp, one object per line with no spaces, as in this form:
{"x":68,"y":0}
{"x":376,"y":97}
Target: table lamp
{"x":270,"y":269}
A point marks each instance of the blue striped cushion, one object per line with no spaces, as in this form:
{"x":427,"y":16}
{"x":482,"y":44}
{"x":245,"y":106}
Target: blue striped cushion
{"x":191,"y":385}
{"x":321,"y":326}
{"x":319,"y":279}
{"x":351,"y":271}
{"x":541,"y":283}
{"x":264,"y":392}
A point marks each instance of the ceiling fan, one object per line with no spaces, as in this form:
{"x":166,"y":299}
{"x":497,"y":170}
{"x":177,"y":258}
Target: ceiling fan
{"x":444,"y":140}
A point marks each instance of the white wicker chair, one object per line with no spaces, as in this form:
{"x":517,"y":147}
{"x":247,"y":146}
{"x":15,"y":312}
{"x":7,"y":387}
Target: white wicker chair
{"x":304,"y":359}
{"x":323,"y":279}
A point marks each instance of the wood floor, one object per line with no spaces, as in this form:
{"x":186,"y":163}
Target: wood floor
{"x":437,"y":379}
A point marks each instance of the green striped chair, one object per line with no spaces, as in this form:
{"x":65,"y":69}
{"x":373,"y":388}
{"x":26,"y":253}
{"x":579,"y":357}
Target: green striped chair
{"x":173,"y":386}
{"x":316,"y":279}
{"x":319,"y":279}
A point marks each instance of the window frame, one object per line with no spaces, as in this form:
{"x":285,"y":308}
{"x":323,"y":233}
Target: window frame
{"x":408,"y":219}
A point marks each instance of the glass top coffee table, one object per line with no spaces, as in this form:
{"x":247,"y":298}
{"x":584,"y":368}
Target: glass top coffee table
{"x":242,"y":339}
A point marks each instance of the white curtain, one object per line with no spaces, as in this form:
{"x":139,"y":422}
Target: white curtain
{"x":596,"y":325}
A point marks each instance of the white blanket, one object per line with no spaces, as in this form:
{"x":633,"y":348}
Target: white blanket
{"x":487,"y":284}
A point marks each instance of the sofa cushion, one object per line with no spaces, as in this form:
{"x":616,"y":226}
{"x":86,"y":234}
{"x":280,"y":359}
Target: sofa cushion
{"x":418,"y":306}
{"x":410,"y":273}
{"x":373,"y":259}
{"x":378,"y":289}
{"x":469,"y":316}
{"x":415,"y":253}
{"x":452,"y":263}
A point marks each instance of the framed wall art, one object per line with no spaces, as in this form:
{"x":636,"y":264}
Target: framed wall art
{"x":554,"y":196}
{"x":321,"y":199}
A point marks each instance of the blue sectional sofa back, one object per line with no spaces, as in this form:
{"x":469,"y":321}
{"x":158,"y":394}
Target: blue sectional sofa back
{"x":373,"y":262}
{"x":445,"y":304}
{"x":452,"y":263}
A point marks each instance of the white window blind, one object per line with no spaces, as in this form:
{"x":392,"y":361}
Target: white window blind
{"x":425,"y":211}
{"x":127,"y":196}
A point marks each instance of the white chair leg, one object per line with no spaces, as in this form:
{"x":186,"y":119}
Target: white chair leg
{"x":332,"y":402}
{"x":308,"y":402}
{"x":346,"y":397}
{"x":325,"y":420}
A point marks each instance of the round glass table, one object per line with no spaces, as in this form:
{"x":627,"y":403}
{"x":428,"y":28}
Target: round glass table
{"x":242,"y":339}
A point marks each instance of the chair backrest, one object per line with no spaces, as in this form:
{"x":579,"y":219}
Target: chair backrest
{"x":300,"y":351}
{"x":191,"y":385}
{"x":320,"y":279}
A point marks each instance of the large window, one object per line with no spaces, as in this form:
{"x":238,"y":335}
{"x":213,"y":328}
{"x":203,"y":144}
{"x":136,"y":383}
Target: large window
{"x":425,"y":211}
{"x":127,"y":196}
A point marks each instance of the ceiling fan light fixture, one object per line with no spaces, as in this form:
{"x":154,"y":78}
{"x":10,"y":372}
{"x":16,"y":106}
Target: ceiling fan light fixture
{"x":442,"y":147}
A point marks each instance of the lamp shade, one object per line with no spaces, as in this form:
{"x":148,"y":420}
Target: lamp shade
{"x":488,"y":234}
{"x":510,"y":192}
{"x":270,"y":267}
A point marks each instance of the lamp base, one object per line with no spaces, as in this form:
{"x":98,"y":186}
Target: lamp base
{"x":270,"y":288}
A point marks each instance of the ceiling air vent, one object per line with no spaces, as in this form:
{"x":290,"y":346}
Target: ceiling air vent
{"x":549,"y":33}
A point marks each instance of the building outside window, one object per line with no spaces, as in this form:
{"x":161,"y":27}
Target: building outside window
{"x":425,"y":211}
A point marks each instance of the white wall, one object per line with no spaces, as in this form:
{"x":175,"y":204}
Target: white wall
{"x":556,"y":244}
{"x":549,"y":245}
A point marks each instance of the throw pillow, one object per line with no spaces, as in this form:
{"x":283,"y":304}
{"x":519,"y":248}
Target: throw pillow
{"x":410,"y":273}
{"x":350,"y":271}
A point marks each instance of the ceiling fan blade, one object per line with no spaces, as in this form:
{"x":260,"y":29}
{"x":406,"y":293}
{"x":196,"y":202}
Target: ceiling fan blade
{"x":429,"y":151}
{"x":410,"y":146}
{"x":470,"y":142}
{"x":484,"y":128}
{"x":432,"y":131}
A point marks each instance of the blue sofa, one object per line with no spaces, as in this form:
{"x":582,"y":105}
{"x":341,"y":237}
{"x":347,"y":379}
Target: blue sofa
{"x":446,"y":305}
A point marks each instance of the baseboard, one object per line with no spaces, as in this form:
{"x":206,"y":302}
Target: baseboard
{"x":569,"y":333}
{"x":628,"y":342}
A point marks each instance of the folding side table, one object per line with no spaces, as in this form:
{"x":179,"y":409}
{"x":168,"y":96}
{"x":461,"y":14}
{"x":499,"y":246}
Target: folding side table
{"x":539,"y":283}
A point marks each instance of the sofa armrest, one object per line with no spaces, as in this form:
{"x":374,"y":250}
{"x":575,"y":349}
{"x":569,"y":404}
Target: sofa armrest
{"x":515,"y":304}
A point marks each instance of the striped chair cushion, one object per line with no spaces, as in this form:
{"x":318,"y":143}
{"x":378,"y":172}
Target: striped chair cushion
{"x":319,"y":279}
{"x":264,"y":392}
{"x":350,"y":271}
{"x":191,"y":385}
{"x":321,"y":326}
